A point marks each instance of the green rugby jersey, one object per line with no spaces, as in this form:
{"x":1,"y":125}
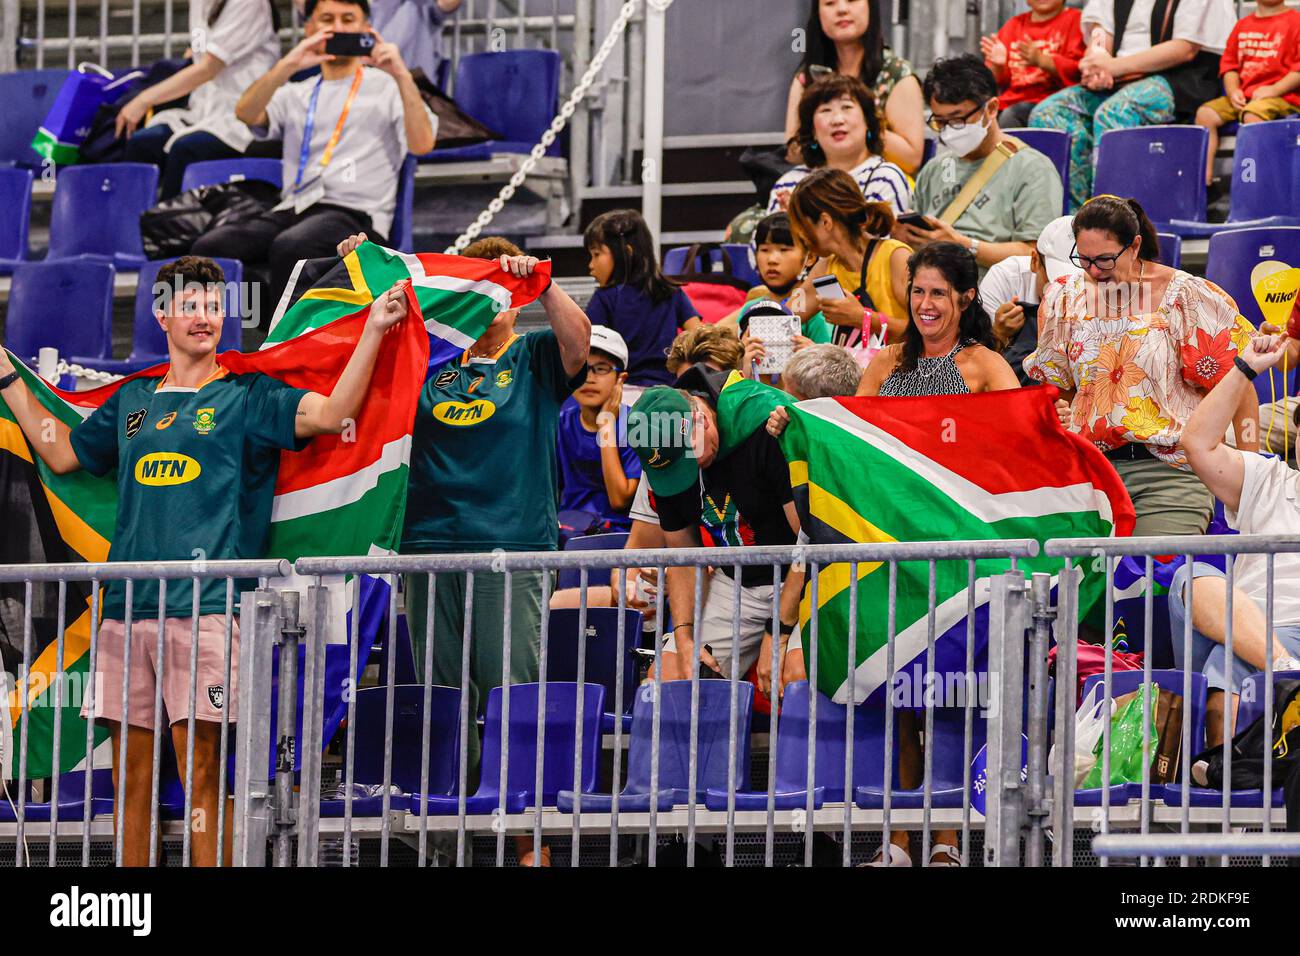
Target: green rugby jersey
{"x":196,"y":471}
{"x":483,"y":469}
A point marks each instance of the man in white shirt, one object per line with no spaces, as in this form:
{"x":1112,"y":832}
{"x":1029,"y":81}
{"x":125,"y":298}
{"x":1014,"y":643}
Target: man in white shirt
{"x":346,"y":134}
{"x":1260,"y":496}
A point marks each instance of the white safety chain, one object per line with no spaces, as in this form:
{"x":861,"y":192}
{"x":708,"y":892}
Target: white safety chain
{"x":89,"y":374}
{"x":557,"y":125}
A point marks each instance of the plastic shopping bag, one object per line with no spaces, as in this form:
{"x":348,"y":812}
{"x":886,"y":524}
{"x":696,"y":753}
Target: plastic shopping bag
{"x":68,"y":122}
{"x":1089,"y":723}
{"x":1126,"y":739}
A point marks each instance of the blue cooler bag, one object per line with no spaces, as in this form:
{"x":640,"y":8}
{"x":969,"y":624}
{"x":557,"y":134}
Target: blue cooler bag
{"x":67,"y":124}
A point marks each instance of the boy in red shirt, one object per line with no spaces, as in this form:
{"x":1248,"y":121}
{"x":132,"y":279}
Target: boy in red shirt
{"x":1032,"y":56}
{"x":1259,"y":69}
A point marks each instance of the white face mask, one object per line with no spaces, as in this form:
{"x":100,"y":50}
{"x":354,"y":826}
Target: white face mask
{"x":965,"y":140}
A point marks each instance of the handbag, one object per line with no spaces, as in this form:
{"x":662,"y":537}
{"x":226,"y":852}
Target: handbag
{"x":68,"y":122}
{"x":102,"y":144}
{"x":715,"y":295}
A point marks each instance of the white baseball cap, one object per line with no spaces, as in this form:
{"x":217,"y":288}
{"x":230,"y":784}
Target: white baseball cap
{"x":1055,"y":243}
{"x":610,"y":342}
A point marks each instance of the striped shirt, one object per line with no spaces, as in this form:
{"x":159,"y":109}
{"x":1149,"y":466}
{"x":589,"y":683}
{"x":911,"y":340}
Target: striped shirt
{"x":879,"y":181}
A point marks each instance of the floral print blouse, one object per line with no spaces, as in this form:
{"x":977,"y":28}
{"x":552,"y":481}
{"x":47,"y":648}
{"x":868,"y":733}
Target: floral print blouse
{"x":1136,"y":377}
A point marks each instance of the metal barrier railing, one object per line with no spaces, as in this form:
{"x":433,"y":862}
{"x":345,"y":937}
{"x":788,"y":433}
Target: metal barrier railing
{"x":884,"y":774}
{"x":1145,"y":843}
{"x":20,"y":698}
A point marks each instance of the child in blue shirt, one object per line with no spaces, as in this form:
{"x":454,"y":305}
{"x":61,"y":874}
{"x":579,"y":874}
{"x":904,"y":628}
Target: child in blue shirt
{"x":634,"y":298}
{"x":597,"y":475}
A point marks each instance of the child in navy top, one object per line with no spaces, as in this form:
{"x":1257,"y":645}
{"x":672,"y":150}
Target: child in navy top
{"x":634,"y":298}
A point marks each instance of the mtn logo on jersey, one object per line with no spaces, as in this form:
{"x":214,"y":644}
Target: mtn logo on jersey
{"x":464,"y":413}
{"x":166,"y":468}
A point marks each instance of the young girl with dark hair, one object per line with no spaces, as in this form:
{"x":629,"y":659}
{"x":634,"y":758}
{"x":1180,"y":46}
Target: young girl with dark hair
{"x":848,"y":37}
{"x":1133,"y":346}
{"x":635,"y":299}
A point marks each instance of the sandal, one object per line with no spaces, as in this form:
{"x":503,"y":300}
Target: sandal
{"x":897,"y":857}
{"x":944,"y":854}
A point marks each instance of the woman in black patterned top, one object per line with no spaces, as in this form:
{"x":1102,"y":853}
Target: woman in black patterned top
{"x":948,"y":348}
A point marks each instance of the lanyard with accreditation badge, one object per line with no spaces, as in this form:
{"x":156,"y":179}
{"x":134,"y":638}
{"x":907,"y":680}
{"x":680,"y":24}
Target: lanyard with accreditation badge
{"x":312,"y":191}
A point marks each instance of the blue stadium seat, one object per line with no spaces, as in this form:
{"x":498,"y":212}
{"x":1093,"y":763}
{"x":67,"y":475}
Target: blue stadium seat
{"x":399,"y":235}
{"x":15,"y":210}
{"x":738,"y":254}
{"x":97,"y":212}
{"x":1265,"y":180}
{"x":1171,"y":249}
{"x":571,"y":578}
{"x":603,"y":664}
{"x":212,"y":172}
{"x":408,"y":733}
{"x":514,"y":93}
{"x":149,"y":343}
{"x":675,"y":746}
{"x":792,"y":754}
{"x":27,"y":96}
{"x":742,"y":263}
{"x":1124,"y":682}
{"x":1055,"y":145}
{"x":557,"y":758}
{"x":41,"y":315}
{"x":71,"y":799}
{"x":949,"y":764}
{"x":1233,"y":254}
{"x":1162,"y":167}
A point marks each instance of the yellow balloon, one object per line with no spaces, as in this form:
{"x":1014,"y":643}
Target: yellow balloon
{"x":1275,"y":285}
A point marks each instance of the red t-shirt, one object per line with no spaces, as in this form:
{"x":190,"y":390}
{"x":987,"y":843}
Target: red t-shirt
{"x":1262,"y":50}
{"x":1061,"y":37}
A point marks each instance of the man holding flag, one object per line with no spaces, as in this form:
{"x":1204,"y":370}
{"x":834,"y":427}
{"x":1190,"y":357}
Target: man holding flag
{"x":197,"y":453}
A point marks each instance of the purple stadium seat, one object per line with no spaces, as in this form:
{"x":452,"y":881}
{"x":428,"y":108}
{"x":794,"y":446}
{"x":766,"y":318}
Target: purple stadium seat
{"x":212,"y":172}
{"x":1162,"y":167}
{"x":1265,"y":180}
{"x":27,"y":96}
{"x":15,"y":209}
{"x":514,"y":93}
{"x":1171,"y":249}
{"x":675,"y":746}
{"x":1055,"y":145}
{"x":97,"y":211}
{"x":557,"y":758}
{"x":1233,"y":255}
{"x":949,"y":767}
{"x":42,"y":311}
{"x":602,"y":662}
{"x":792,"y":754}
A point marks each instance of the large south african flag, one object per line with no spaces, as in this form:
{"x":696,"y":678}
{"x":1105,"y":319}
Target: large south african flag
{"x":343,"y":495}
{"x":957,"y":468}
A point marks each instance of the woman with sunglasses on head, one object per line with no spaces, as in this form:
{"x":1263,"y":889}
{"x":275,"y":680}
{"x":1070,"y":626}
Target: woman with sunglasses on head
{"x":1134,"y":346}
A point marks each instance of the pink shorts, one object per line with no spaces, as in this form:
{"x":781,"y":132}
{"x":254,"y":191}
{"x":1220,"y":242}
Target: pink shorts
{"x":211,"y":697}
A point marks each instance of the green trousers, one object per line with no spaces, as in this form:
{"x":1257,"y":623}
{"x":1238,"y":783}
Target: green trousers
{"x":1167,"y":501}
{"x":487,"y":639}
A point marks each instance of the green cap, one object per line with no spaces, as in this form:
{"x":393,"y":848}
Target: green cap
{"x":659,"y":430}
